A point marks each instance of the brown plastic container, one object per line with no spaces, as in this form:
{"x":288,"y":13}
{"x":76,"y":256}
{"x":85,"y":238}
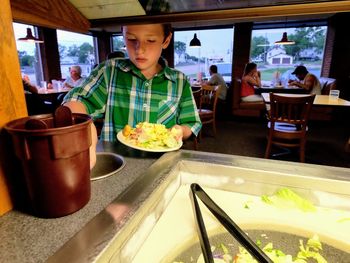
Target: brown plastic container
{"x":55,"y":163}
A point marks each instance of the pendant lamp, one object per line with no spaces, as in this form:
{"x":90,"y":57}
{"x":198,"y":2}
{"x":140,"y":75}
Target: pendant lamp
{"x":195,"y":41}
{"x":30,"y":38}
{"x":284,"y":40}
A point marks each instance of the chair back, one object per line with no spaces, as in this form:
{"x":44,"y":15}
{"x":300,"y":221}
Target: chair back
{"x":208,"y":97}
{"x":292,"y":110}
{"x":197,"y":96}
{"x":288,"y":122}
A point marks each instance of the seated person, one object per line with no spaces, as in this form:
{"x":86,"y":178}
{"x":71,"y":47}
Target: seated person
{"x":307,"y":81}
{"x":116,"y":54}
{"x":250,"y":80}
{"x":217,"y":79}
{"x":28,"y":86}
{"x":35,"y":105}
{"x":75,"y":78}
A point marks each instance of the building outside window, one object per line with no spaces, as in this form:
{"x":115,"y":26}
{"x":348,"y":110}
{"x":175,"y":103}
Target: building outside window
{"x":216,"y":48}
{"x":75,"y":49}
{"x":28,"y":54}
{"x":280,"y":60}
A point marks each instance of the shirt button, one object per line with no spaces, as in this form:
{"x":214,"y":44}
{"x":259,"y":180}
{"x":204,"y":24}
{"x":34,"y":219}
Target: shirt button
{"x":147,"y":84}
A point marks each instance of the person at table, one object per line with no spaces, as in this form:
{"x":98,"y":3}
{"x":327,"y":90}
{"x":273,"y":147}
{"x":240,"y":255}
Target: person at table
{"x":116,"y":54}
{"x":75,"y":79}
{"x":250,"y":81}
{"x":141,"y":88}
{"x":28,"y":87}
{"x":217,"y":80}
{"x":307,"y":81}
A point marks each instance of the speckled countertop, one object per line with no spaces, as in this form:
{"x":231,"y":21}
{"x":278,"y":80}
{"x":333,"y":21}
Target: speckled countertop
{"x":26,"y":238}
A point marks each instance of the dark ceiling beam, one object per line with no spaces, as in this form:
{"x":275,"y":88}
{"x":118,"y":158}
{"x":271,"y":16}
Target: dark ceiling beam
{"x":247,"y":14}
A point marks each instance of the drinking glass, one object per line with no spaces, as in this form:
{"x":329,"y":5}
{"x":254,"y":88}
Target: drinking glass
{"x":334,"y":94}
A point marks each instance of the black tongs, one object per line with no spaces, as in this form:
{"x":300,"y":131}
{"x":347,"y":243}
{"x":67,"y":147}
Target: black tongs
{"x":226,"y":221}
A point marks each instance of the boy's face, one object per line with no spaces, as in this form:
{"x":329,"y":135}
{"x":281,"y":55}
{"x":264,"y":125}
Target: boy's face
{"x":144,"y":44}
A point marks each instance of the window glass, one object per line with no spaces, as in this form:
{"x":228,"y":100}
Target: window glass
{"x":118,"y":43}
{"x":75,"y":49}
{"x":277,"y":62}
{"x":28,"y":53}
{"x":194,"y":61}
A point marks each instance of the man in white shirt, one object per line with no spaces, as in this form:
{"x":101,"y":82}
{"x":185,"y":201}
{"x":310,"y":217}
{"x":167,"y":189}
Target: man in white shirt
{"x":307,"y":81}
{"x":217,"y":79}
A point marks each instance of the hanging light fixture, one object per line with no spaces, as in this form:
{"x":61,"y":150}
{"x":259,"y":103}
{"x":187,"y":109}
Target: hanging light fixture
{"x":284,"y":40}
{"x":195,"y":41}
{"x":30,"y":38}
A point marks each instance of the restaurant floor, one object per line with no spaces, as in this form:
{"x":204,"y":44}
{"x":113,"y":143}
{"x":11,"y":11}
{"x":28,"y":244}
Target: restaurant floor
{"x":325,"y":141}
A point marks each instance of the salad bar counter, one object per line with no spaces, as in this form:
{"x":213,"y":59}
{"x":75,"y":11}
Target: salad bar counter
{"x":292,"y":211}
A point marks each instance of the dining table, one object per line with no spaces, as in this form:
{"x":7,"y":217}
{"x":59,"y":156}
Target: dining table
{"x":320,"y":100}
{"x":52,"y":96}
{"x":291,"y":89}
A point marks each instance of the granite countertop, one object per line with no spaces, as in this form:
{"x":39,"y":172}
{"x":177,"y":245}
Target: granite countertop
{"x":26,"y":238}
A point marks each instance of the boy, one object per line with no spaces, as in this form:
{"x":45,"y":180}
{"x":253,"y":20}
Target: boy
{"x":141,"y":88}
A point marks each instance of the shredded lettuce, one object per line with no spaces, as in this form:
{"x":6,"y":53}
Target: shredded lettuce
{"x":307,"y":253}
{"x":286,"y":198}
{"x":152,"y":136}
{"x":344,"y":219}
{"x":310,"y":251}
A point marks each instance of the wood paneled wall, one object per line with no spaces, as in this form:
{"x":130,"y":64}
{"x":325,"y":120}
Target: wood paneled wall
{"x":12,"y":102}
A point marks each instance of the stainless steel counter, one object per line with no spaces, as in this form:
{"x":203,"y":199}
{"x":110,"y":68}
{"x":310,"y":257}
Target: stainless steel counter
{"x":89,"y":234}
{"x":127,"y":221}
{"x":26,"y":238}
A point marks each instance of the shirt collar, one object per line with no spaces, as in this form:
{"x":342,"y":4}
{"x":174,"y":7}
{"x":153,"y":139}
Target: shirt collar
{"x":126,"y":65}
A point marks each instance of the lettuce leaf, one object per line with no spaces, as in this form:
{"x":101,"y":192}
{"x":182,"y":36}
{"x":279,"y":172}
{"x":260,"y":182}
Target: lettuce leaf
{"x":286,"y":198}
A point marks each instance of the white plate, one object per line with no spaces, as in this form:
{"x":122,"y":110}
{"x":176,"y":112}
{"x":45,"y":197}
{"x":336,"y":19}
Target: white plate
{"x":121,"y":138}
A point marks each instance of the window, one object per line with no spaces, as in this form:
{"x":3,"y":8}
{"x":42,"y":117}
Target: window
{"x":216,"y":48}
{"x":118,"y":43}
{"x":75,"y":49}
{"x":280,"y":60}
{"x":28,"y":54}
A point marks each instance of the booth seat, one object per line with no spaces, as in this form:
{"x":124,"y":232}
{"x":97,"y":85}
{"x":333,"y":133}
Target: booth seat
{"x":241,"y":108}
{"x":324,"y":113}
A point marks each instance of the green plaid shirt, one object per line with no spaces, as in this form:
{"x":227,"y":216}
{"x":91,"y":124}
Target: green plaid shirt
{"x":117,"y":90}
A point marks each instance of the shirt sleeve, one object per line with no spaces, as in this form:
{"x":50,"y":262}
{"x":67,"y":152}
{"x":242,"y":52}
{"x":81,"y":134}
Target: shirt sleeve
{"x":93,"y":91}
{"x":188,"y":110}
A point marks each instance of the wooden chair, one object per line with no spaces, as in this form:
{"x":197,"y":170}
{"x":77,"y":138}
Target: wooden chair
{"x":197,"y":96}
{"x":288,"y":120}
{"x":207,"y":105}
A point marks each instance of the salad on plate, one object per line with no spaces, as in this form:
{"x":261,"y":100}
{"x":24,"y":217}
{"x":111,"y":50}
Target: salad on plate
{"x":151,"y":136}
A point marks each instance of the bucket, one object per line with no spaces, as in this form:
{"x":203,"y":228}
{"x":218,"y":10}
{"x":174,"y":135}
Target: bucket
{"x":55,"y":161}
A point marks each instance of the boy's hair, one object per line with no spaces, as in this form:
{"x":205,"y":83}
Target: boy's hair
{"x":167,"y":29}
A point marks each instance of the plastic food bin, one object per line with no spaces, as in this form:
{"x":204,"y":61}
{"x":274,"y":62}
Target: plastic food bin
{"x":55,"y":163}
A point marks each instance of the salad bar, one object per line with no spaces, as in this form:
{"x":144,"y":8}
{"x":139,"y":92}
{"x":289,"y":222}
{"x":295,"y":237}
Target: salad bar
{"x":294,"y":211}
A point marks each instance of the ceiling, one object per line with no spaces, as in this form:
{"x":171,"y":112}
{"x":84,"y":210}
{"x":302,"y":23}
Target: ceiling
{"x":110,"y":14}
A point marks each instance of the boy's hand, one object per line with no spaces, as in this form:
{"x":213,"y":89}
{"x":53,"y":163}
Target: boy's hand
{"x":177,"y":131}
